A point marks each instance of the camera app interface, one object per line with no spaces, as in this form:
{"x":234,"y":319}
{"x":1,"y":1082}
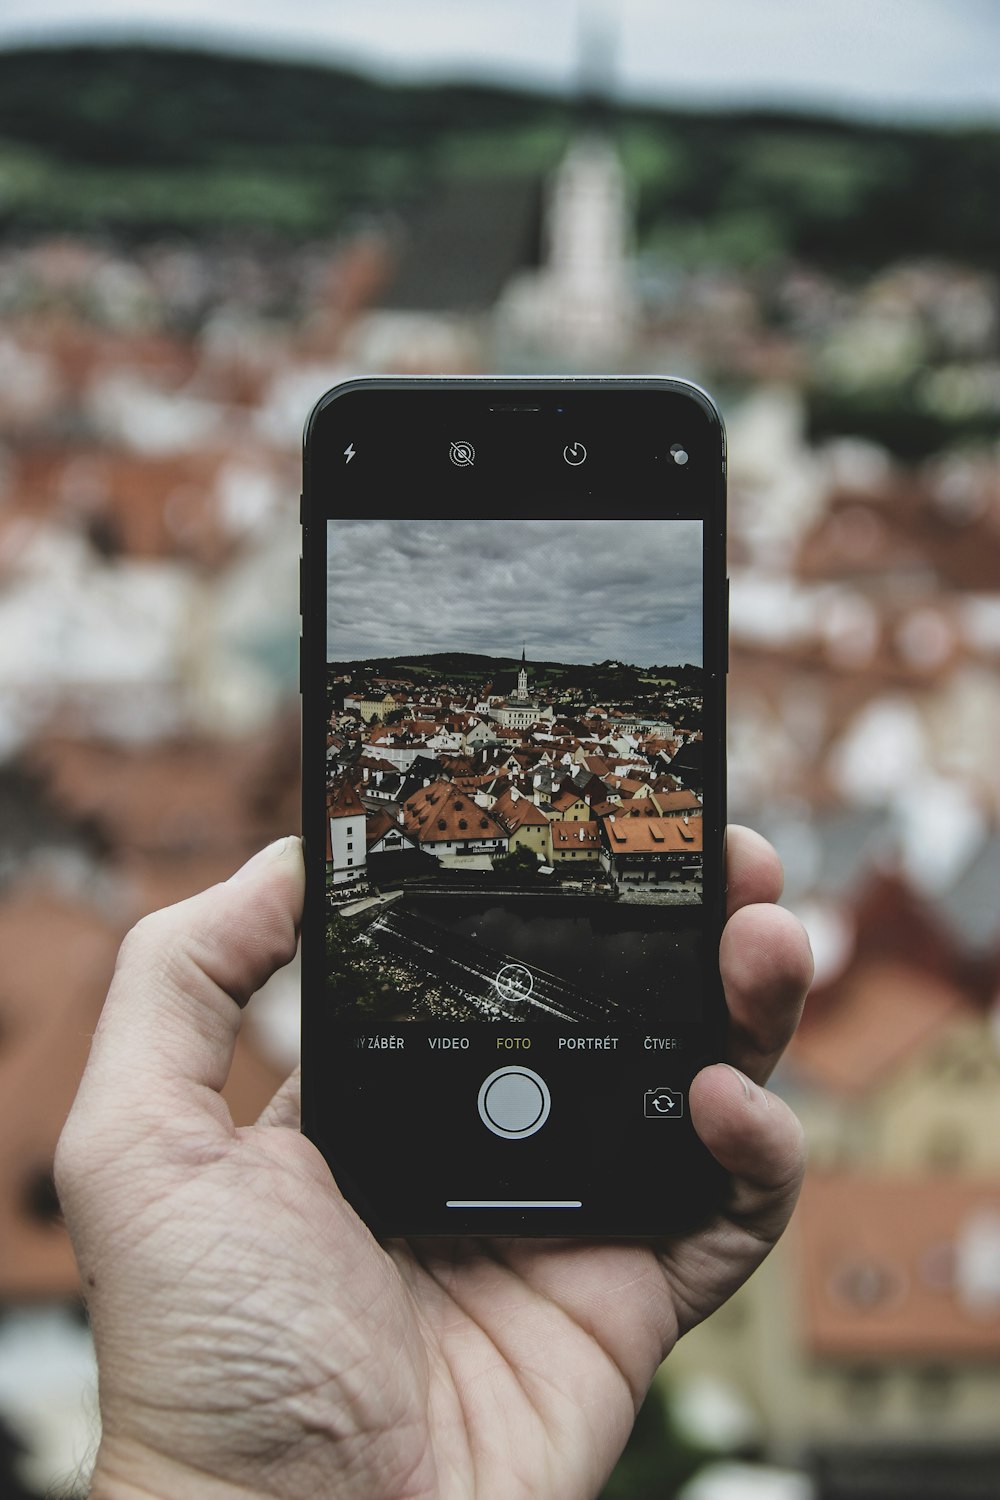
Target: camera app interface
{"x":514,"y":772}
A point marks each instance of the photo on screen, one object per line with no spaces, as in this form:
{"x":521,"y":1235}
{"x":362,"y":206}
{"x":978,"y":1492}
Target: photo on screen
{"x":514,"y":770}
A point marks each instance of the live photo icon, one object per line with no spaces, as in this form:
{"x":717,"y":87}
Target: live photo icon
{"x":663,"y":1104}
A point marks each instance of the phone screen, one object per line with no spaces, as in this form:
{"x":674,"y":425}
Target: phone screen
{"x":515,"y":767}
{"x":514,"y":923}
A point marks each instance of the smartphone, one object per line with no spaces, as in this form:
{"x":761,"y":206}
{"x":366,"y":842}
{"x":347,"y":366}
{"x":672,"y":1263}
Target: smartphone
{"x":513,"y":659}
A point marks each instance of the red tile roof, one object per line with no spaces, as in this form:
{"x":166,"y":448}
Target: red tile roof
{"x":58,"y":958}
{"x":458,"y":765}
{"x":373,"y":763}
{"x":564,"y":800}
{"x":384,"y":821}
{"x":442,"y":813}
{"x":900,"y":1268}
{"x":627,"y":786}
{"x":518,"y":812}
{"x":642,"y":835}
{"x":140,"y":505}
{"x":597,"y":765}
{"x":568,"y":836}
{"x":177,"y":797}
{"x":342,"y":800}
{"x":638,"y":807}
{"x":884,"y":1011}
{"x":675,"y":802}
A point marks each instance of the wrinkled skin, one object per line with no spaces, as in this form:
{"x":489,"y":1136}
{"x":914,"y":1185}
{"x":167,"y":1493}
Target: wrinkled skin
{"x":254,"y":1339}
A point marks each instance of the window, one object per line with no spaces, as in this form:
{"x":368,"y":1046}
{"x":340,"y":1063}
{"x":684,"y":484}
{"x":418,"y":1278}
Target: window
{"x":934,"y":1388}
{"x":350,"y":861}
{"x":862,"y":1388}
{"x":865,"y":1284}
{"x":349,"y":844}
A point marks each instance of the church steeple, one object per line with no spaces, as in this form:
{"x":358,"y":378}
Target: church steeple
{"x":597,"y":49}
{"x":522,"y":676}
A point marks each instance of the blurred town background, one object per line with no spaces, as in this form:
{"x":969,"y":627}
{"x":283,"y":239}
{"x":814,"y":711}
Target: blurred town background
{"x":194,"y":244}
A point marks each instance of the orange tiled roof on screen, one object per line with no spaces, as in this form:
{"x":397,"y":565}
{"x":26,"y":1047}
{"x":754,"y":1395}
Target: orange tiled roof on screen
{"x":652,"y":835}
{"x":442,"y":813}
{"x":342,"y":800}
{"x":518,"y":812}
{"x":567,"y":836}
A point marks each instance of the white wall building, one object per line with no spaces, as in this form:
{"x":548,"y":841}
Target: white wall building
{"x":346,"y":858}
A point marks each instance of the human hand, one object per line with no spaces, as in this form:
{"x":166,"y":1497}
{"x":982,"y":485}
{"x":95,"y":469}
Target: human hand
{"x":254,"y":1339}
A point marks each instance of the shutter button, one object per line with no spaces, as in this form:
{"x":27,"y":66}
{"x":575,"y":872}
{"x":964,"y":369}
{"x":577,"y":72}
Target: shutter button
{"x":514,"y":1102}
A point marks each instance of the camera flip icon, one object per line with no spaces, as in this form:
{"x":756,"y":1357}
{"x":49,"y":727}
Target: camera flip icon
{"x":663,"y":1104}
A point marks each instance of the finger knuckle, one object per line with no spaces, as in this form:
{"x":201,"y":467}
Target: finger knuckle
{"x":70,"y":1161}
{"x":144,"y":939}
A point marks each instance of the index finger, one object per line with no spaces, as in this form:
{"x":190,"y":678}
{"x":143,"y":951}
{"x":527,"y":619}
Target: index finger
{"x":764,"y":957}
{"x":753,"y":869}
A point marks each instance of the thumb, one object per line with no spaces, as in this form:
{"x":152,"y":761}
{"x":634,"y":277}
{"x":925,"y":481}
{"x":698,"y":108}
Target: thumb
{"x":171,"y":1018}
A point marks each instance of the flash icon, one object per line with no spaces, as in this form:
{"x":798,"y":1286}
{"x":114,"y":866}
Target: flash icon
{"x":349,"y":452}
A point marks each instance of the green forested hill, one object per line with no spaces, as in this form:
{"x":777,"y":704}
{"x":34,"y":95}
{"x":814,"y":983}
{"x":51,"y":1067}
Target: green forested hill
{"x":147,"y":140}
{"x":609,"y":678}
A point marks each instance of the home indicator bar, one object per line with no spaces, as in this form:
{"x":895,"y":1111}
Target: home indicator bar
{"x":514,"y":1203}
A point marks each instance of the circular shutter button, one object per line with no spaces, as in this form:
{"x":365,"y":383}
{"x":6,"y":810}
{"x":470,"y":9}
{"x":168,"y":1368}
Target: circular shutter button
{"x":514,"y":1102}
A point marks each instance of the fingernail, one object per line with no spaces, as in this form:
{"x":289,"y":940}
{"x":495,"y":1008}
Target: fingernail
{"x":750,"y":1088}
{"x":737,"y":1074}
{"x":264,"y":857}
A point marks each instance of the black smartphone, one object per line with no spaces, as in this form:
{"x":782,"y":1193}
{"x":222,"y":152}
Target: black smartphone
{"x":513,"y":659}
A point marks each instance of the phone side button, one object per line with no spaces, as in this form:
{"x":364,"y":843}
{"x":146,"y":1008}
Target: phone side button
{"x":725,"y":628}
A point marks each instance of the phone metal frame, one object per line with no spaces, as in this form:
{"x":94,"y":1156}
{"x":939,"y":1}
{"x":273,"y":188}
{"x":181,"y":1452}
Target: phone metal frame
{"x":691,"y":1181}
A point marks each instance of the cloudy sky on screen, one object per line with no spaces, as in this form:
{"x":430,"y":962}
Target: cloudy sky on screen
{"x":906,"y":58}
{"x":581,"y":591}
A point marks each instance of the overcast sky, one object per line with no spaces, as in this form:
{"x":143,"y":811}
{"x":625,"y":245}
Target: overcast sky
{"x":912,"y":58}
{"x":581,"y":591}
